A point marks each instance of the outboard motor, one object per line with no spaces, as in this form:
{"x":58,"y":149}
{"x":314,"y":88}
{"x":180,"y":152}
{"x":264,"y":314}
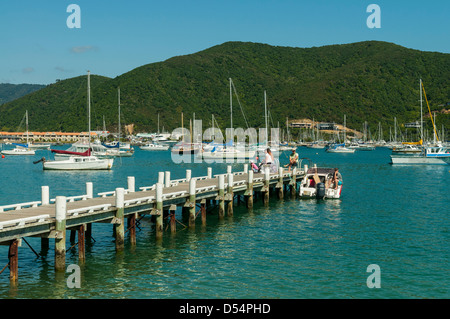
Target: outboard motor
{"x":320,"y":194}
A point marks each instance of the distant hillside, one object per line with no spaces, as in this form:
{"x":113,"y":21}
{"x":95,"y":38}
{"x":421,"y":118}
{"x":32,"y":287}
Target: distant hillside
{"x":367,"y":81}
{"x":10,"y":92}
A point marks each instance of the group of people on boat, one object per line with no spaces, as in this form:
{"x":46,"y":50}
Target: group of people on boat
{"x":273,"y":164}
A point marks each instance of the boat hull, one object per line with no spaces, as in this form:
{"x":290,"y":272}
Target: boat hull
{"x":18,"y":152}
{"x":79,"y":163}
{"x":419,"y":160}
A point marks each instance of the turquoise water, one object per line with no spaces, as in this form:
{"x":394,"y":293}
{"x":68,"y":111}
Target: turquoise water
{"x":395,"y":217}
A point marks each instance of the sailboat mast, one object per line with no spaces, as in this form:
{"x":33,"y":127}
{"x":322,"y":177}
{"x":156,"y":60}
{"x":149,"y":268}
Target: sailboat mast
{"x":89,"y":107}
{"x":265,"y":113}
{"x":231,"y":109}
{"x":118,"y":101}
{"x":421,"y":117}
{"x":26,"y":122}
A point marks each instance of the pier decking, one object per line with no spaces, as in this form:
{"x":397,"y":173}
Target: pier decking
{"x":51,"y":218}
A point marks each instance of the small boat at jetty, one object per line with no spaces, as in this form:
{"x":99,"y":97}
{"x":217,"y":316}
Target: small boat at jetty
{"x":317,"y":183}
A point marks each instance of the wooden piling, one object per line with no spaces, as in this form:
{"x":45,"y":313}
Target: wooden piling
{"x":280,"y":183}
{"x":120,"y":227}
{"x":132,"y":228}
{"x":60,"y":239}
{"x":203,"y":210}
{"x":192,"y":188}
{"x":249,"y":191}
{"x":221,"y":196}
{"x":294,"y":182}
{"x":173,"y":221}
{"x":13,"y":256}
{"x":81,"y":244}
{"x":159,"y":211}
{"x":230,"y":195}
{"x":265,"y":189}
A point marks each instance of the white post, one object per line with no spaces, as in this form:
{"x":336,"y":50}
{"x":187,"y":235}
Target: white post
{"x":167,"y":179}
{"x":45,"y":196}
{"x":131,"y":184}
{"x":160,"y":177}
{"x":120,"y":197}
{"x":245,"y":168}
{"x":209,"y":172}
{"x":61,"y":207}
{"x":229,"y":169}
{"x":188,"y":175}
{"x":89,"y":190}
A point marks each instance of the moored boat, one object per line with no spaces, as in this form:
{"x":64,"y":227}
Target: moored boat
{"x":317,"y":183}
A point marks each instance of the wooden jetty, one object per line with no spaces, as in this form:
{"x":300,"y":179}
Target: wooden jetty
{"x":52,"y":218}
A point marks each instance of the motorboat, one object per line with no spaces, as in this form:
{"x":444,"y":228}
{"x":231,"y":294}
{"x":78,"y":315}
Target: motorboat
{"x":438,"y":155}
{"x":317,"y":183}
{"x":407,"y":149}
{"x":154,"y":147}
{"x":78,"y":162}
{"x":340,"y":148}
{"x":19,"y":150}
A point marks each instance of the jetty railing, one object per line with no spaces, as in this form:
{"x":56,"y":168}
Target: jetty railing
{"x":50,"y":218}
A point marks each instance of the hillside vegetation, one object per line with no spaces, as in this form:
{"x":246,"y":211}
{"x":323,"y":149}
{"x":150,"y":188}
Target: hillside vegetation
{"x":10,"y":92}
{"x":367,"y":81}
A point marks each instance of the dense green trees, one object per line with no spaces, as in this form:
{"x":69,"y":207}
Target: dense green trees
{"x":368,"y":81}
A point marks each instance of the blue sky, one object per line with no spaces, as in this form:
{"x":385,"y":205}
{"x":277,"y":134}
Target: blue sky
{"x":36,"y":46}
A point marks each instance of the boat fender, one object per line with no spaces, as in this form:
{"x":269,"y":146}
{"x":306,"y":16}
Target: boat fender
{"x":320,"y":194}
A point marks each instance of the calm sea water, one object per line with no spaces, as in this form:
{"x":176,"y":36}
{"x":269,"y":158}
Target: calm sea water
{"x":395,"y":217}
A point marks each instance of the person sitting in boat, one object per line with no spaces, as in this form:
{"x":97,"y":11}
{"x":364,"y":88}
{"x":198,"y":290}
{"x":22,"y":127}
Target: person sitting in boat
{"x":293,"y":159}
{"x":337,"y":178}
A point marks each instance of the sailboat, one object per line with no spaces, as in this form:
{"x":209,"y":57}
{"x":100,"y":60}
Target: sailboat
{"x":80,"y":161}
{"x":436,"y":154}
{"x":341,"y":148}
{"x":116,"y":148}
{"x":228,"y":151}
{"x":21,"y":149}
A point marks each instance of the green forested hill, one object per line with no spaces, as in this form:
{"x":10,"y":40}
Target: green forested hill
{"x":367,"y":81}
{"x":10,"y":92}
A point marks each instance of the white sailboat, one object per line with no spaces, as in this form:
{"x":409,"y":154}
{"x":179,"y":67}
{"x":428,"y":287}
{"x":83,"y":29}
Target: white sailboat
{"x":435,"y":155}
{"x":80,"y":161}
{"x":341,"y":148}
{"x":21,"y":149}
{"x":229,"y":150}
{"x":118,"y":148}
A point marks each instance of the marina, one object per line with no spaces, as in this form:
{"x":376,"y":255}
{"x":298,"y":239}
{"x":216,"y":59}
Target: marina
{"x":321,"y":240}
